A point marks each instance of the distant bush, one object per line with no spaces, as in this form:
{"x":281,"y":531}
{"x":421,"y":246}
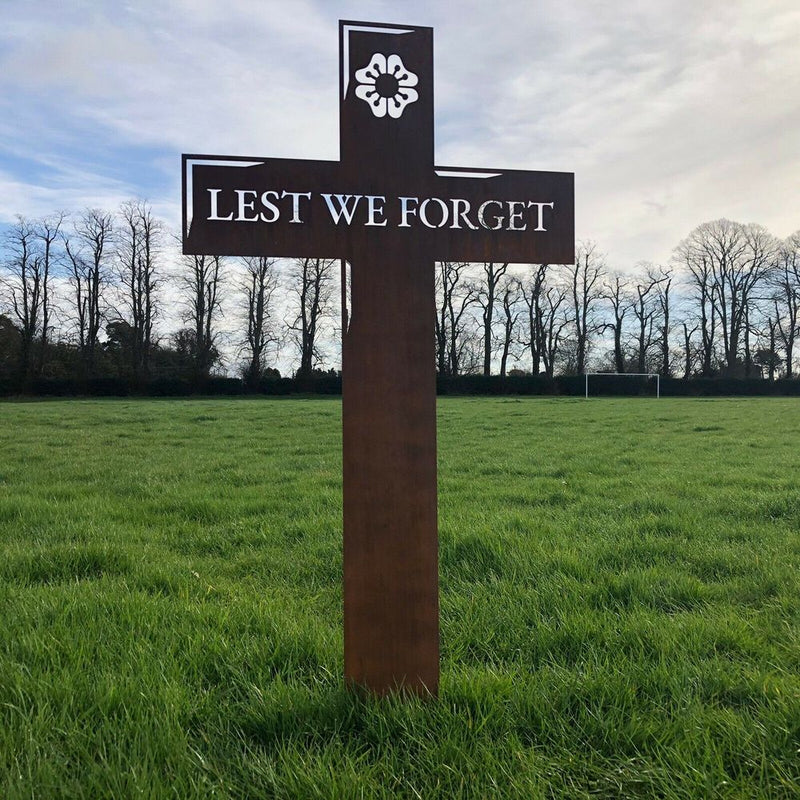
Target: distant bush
{"x":612,"y":385}
{"x":715,"y":387}
{"x":511,"y":384}
{"x":221,"y":385}
{"x":330,"y":383}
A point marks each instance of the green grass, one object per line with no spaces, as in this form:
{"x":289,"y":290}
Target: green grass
{"x":619,"y":584}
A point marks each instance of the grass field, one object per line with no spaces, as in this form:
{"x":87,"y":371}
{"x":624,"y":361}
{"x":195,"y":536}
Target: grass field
{"x":619,"y":584}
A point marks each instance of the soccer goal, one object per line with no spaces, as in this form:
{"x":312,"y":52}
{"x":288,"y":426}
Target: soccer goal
{"x":647,"y":375}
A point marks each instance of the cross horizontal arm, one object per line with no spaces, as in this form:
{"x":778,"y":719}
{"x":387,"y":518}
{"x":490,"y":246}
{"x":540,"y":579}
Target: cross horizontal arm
{"x":258,"y":207}
{"x":515,"y":216}
{"x":297,"y":208}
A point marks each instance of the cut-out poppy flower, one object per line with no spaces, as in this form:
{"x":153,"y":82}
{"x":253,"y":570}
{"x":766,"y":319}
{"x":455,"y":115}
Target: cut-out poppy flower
{"x":386,"y":85}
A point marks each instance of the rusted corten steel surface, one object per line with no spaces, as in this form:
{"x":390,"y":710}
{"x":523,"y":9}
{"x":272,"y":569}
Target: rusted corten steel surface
{"x":283,"y":207}
{"x":391,"y":598}
{"x":391,"y":611}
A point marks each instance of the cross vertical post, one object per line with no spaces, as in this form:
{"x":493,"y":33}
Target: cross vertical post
{"x":391,"y":607}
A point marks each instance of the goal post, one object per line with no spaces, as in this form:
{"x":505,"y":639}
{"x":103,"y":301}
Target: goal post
{"x":655,"y":375}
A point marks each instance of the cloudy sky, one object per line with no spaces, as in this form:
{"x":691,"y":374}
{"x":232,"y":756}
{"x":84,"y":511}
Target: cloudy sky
{"x":670,"y":113}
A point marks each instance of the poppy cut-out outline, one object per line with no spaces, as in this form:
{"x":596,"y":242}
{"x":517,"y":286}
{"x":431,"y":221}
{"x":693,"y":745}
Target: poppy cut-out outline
{"x":380,"y":104}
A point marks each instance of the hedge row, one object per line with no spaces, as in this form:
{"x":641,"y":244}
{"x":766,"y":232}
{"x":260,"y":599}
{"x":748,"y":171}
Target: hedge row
{"x":169,"y":387}
{"x":476,"y":385}
{"x":613,"y":385}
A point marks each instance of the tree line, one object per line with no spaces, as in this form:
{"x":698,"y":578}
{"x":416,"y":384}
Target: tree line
{"x":85,"y":296}
{"x":726,"y":304}
{"x":88,"y":295}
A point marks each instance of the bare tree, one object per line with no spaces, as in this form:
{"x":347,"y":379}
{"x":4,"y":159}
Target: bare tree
{"x":532,"y":297}
{"x":486,"y":297}
{"x":763,"y":251}
{"x":725,"y":245}
{"x":545,"y":300}
{"x":311,"y":281}
{"x":728,"y":261}
{"x":25,"y":287}
{"x":644,"y":310}
{"x":587,"y":273}
{"x":201,"y":281}
{"x":47,"y":230}
{"x":617,"y":293}
{"x":261,"y":282}
{"x":510,"y":292}
{"x":749,"y":328}
{"x":86,"y":254}
{"x":448,"y":278}
{"x":701,"y":280}
{"x":553,"y":320}
{"x":786,"y":298}
{"x":137,"y":248}
{"x":454,"y":296}
{"x":688,"y":348}
{"x":33,"y":255}
{"x":663,"y":287}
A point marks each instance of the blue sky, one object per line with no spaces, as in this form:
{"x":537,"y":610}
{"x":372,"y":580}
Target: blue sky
{"x":669,"y":113}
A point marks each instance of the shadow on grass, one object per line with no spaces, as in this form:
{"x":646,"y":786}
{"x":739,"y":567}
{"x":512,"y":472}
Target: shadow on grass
{"x":297,"y":717}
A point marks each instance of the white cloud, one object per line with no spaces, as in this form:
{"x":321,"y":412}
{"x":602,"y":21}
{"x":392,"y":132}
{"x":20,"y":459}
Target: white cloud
{"x":70,"y":191}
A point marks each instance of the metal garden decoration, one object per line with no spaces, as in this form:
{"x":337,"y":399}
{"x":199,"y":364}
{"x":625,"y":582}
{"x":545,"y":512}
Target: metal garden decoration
{"x":387,"y":210}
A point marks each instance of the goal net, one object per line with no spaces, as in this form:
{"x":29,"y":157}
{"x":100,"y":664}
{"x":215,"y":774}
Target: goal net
{"x":613,"y":382}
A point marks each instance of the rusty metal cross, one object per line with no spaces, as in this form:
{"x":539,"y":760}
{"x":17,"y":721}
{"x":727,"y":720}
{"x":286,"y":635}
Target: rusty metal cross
{"x":387,"y":210}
